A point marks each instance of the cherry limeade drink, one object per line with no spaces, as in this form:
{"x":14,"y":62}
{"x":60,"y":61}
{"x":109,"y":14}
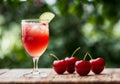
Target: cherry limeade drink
{"x":35,"y":38}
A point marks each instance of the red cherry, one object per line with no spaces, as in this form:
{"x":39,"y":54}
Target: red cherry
{"x":59,"y":66}
{"x":44,"y":24}
{"x":82,"y":67}
{"x":97,"y":65}
{"x":70,"y":61}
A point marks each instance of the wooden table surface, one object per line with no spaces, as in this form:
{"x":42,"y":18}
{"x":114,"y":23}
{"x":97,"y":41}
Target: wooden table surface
{"x":15,"y":76}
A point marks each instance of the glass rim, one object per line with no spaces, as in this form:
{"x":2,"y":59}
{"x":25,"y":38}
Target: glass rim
{"x":30,"y":20}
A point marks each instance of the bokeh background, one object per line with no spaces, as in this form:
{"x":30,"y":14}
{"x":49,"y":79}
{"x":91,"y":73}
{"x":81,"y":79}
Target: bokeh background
{"x":94,"y":25}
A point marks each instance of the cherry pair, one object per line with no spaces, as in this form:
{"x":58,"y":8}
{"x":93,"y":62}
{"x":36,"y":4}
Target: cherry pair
{"x":67,"y":64}
{"x":83,"y":67}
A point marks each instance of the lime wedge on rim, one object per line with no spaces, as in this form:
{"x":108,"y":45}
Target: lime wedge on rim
{"x":46,"y":17}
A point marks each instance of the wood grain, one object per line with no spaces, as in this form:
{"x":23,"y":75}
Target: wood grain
{"x":15,"y":76}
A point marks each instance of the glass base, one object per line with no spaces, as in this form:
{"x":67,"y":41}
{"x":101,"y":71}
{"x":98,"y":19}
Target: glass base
{"x":35,"y":74}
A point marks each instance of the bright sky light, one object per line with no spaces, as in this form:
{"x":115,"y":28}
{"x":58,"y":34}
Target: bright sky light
{"x":50,"y":2}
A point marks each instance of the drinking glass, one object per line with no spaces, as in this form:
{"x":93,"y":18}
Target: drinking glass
{"x":35,"y":37}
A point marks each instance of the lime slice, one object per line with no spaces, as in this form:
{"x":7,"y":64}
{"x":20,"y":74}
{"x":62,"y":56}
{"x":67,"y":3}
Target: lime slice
{"x":46,"y":17}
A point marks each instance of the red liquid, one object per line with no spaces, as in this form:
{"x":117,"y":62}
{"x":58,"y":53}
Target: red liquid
{"x":35,"y":38}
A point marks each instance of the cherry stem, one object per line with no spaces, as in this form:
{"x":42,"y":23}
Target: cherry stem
{"x":75,"y":51}
{"x":54,"y":56}
{"x":90,"y":55}
{"x":87,"y":54}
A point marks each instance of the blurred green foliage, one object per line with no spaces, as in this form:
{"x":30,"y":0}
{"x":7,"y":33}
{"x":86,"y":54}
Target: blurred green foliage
{"x":94,"y":25}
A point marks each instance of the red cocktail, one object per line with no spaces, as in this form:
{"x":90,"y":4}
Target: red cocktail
{"x":35,"y":37}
